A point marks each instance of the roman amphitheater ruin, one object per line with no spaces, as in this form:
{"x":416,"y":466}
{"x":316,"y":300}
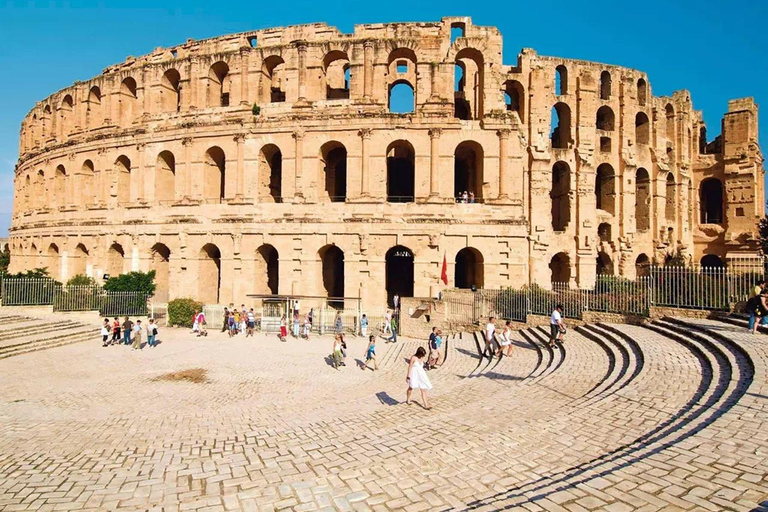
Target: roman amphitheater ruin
{"x":277,"y":162}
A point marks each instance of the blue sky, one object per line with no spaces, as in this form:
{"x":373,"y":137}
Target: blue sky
{"x":715,"y":49}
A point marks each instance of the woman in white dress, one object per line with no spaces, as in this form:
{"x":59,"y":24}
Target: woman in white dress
{"x":505,"y":340}
{"x":417,"y":377}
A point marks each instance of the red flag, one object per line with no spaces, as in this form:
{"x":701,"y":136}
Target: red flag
{"x":444,"y":273}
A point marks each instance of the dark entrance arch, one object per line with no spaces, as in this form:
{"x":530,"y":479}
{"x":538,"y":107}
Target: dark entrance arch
{"x":332,"y":270}
{"x":267,"y":269}
{"x":209,"y":274}
{"x":469,"y":268}
{"x":399,"y":272}
{"x":401,"y":172}
{"x":560,"y":265}
{"x":160,"y":263}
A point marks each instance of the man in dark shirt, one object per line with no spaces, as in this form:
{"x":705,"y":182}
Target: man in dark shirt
{"x":127,"y":329}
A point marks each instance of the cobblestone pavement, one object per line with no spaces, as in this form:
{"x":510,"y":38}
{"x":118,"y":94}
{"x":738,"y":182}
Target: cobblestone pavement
{"x":665,"y":417}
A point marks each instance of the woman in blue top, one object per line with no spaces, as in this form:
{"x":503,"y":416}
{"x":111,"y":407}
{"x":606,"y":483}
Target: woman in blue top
{"x":370,"y":354}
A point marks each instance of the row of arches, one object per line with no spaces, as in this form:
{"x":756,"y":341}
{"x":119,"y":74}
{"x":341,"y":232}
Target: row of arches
{"x":562,"y":138}
{"x":605,"y":85}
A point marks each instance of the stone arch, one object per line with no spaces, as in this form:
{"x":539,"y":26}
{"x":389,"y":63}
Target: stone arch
{"x":165,"y":178}
{"x":267,"y":270}
{"x":514,"y":98}
{"x":605,"y":119}
{"x":34,"y":256}
{"x":670,"y":203}
{"x":712,"y":261}
{"x":79,"y":261}
{"x":471,"y":87}
{"x":604,"y":264}
{"x":41,"y":194}
{"x":642,"y":128}
{"x":401,"y":98}
{"x":127,"y":101}
{"x":214,"y":175}
{"x":642,"y":266}
{"x":66,"y":115}
{"x":123,"y":180}
{"x":336,"y":73}
{"x":333,"y":172}
{"x":209,"y":274}
{"x":468,"y":159}
{"x":605,"y":189}
{"x":331,"y":259}
{"x":642,"y":200}
{"x":160,"y":262}
{"x":85,"y":188}
{"x":401,"y":172}
{"x":53,"y":261}
{"x":93,"y":111}
{"x":605,"y":85}
{"x":642,"y":92}
{"x":399,"y":272}
{"x":560,"y":267}
{"x":669,"y":114}
{"x":561,"y":80}
{"x":27,"y":193}
{"x":170,"y":91}
{"x":219,"y":83}
{"x":561,"y":196}
{"x":711,"y":201}
{"x":469,"y":268}
{"x":273,"y":79}
{"x":115,"y":260}
{"x":561,"y":126}
{"x":604,"y":232}
{"x":60,"y":186}
{"x":270,"y":174}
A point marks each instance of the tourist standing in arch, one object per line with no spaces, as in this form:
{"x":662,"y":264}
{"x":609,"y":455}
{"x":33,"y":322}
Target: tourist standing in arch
{"x":417,"y":377}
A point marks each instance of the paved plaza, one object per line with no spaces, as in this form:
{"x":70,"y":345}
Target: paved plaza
{"x":671,"y":417}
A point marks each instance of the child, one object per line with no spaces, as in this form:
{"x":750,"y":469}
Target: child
{"x":105,"y":330}
{"x":231,"y":325}
{"x":370,"y":354}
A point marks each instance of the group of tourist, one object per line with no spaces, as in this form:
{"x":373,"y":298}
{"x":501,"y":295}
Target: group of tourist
{"x":466,"y":197}
{"x":128,"y":333}
{"x":238,"y":321}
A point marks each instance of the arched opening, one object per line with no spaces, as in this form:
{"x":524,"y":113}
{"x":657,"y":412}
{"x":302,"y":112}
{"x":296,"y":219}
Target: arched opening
{"x":332,"y":270}
{"x":214,"y":177}
{"x":469,"y":268}
{"x":669,"y":112}
{"x":561,"y":196}
{"x":170,"y":91}
{"x":161,"y":264}
{"x":461,"y":108}
{"x":561,"y":80}
{"x":398,"y":273}
{"x":27,"y":193}
{"x":605,"y":118}
{"x":219,"y":83}
{"x":457,"y":31}
{"x":66,"y":115}
{"x":712,"y":261}
{"x":127,"y":101}
{"x":267,"y":270}
{"x":333,"y":171}
{"x":60,"y":186}
{"x":401,"y":172}
{"x":605,"y":192}
{"x":514,"y":97}
{"x":471,"y":87}
{"x":561,"y":126}
{"x":41,"y":195}
{"x":33,"y":256}
{"x":642,"y":128}
{"x":604,"y":264}
{"x":52,"y":261}
{"x":79,"y":261}
{"x":209,"y":274}
{"x":642,"y":266}
{"x":711,"y":201}
{"x":270,"y":174}
{"x":642,"y":200}
{"x":560,"y":268}
{"x":273,"y":74}
{"x":336,"y":70}
{"x":115,"y":260}
{"x":468,"y":170}
{"x":165,"y":177}
{"x":605,"y":85}
{"x":703,"y":140}
{"x":604,"y":232}
{"x":642,"y":92}
{"x":93,"y":110}
{"x":401,"y":97}
{"x":123,"y":170}
{"x":671,"y":199}
{"x":85,"y":187}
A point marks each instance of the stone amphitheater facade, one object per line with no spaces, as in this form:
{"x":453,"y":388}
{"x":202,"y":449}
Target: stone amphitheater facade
{"x":272,"y":162}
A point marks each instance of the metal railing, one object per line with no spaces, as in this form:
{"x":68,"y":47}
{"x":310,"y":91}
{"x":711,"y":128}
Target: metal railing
{"x":28,"y":291}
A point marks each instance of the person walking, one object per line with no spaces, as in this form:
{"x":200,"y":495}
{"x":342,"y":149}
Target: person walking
{"x":343,"y":350}
{"x":283,"y":329}
{"x":243,"y":319}
{"x":116,"y":331}
{"x":338,"y":324}
{"x":236,"y":328}
{"x":757,"y":307}
{"x":152,"y":333}
{"x":555,"y":325}
{"x":311,"y":316}
{"x":370,"y":354}
{"x":506,"y":339}
{"x":227,"y":314}
{"x":295,"y":324}
{"x":490,"y":331}
{"x":364,"y":326}
{"x":127,"y":331}
{"x":393,"y":330}
{"x":250,"y":324}
{"x":388,"y":322}
{"x":106,"y":330}
{"x":417,"y":377}
{"x":232,"y":327}
{"x":336,"y":353}
{"x":201,"y":330}
{"x":136,"y":335}
{"x":307,"y":327}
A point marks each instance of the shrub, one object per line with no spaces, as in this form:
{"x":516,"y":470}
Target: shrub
{"x":5,"y":260}
{"x":81,"y":280}
{"x":182,"y":311}
{"x":132,"y":282}
{"x":256,"y":109}
{"x":38,"y":273}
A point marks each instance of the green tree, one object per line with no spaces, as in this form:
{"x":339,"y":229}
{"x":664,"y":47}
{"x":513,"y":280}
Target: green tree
{"x":81,"y":280}
{"x":762,"y":236}
{"x":182,"y":311}
{"x":132,"y":282}
{"x":5,"y":260}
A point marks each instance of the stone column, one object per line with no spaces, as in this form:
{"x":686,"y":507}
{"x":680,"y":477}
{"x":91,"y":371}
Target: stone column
{"x":140,"y":192}
{"x":368,"y":70}
{"x":106,"y":103}
{"x":145,"y":92}
{"x":298,"y":136}
{"x":240,"y":173}
{"x":301,"y":46}
{"x":365,"y":180}
{"x":187,"y":142}
{"x":434,"y":162}
{"x":244,"y":78}
{"x":503,"y":163}
{"x":434,"y":69}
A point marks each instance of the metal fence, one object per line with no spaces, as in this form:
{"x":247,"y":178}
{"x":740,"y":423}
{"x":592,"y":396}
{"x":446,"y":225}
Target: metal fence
{"x":695,"y":287}
{"x":28,"y":291}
